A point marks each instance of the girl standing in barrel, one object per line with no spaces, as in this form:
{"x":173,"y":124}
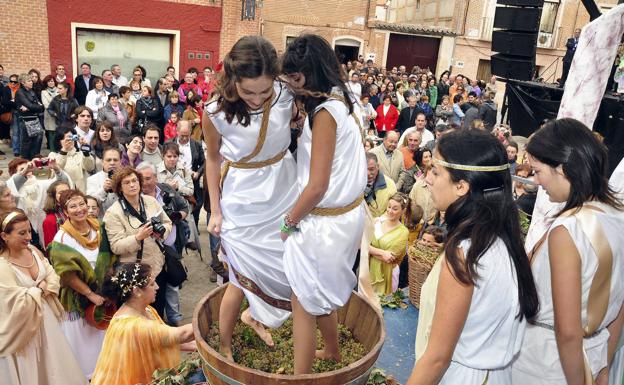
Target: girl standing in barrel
{"x":324,"y":229}
{"x":249,"y":127}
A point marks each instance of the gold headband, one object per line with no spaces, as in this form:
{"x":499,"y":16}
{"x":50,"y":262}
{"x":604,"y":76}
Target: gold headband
{"x":8,"y":219}
{"x":467,"y":167}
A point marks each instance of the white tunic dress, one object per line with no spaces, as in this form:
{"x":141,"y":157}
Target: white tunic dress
{"x":84,"y":340}
{"x":539,"y":362}
{"x":318,"y":258}
{"x":254,"y":201}
{"x":492,"y":334}
{"x":47,"y":359}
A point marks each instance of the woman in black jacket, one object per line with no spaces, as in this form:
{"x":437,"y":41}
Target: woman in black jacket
{"x":63,"y":105}
{"x":443,"y":86}
{"x":147,"y":108}
{"x":30,"y":111}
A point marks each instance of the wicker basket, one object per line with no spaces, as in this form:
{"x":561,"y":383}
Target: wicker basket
{"x":421,"y":261}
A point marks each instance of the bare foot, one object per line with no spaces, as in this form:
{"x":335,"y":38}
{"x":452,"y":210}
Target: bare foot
{"x":325,"y":355}
{"x":227,"y":352}
{"x":257,"y":327}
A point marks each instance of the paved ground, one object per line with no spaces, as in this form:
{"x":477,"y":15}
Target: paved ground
{"x":199,"y":283}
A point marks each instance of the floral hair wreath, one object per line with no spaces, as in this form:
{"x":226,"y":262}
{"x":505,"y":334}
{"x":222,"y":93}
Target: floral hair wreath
{"x":127,"y":285}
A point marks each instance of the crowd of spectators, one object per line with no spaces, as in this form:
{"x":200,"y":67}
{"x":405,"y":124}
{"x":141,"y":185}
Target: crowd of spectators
{"x":130,"y":157}
{"x":404,"y":113}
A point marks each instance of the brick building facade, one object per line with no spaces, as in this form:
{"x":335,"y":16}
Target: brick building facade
{"x":440,"y":34}
{"x":197,"y":32}
{"x":344,"y":24}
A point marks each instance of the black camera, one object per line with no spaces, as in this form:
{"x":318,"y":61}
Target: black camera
{"x":158,"y":226}
{"x":110,"y":176}
{"x":174,"y":215}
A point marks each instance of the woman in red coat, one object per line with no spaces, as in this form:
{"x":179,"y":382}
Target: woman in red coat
{"x":387,"y":116}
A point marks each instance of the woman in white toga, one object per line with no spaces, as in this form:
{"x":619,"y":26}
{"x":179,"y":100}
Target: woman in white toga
{"x":578,"y":264}
{"x":248,"y":127}
{"x":324,"y":229}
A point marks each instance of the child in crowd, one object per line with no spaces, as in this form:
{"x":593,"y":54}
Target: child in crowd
{"x":414,"y":223}
{"x":171,"y":128}
{"x":433,"y":237}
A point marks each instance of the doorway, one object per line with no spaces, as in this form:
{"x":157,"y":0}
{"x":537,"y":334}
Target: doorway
{"x":347,"y":49}
{"x":412,"y":51}
{"x":346,"y":53}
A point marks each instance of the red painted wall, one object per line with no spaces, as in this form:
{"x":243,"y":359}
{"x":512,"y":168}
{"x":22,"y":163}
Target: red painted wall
{"x":199,"y":25}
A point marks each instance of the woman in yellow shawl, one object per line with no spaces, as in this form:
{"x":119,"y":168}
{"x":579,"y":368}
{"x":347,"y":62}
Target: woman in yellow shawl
{"x":389,"y":243}
{"x":33,"y":350}
{"x":137,"y":340}
{"x":81,"y":257}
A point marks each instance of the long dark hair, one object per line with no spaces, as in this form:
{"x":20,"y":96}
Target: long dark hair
{"x":68,"y":87}
{"x":418,"y":157}
{"x":97,"y":144}
{"x":485,"y":213}
{"x":250,"y":57}
{"x":312,"y":56}
{"x":569,"y":143}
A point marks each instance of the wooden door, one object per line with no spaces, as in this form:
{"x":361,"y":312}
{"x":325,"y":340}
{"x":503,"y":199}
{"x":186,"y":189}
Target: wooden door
{"x":412,"y":51}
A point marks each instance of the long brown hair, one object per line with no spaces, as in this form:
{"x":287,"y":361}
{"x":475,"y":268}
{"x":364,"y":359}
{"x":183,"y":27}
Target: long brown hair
{"x":410,"y":212}
{"x":50,"y":204}
{"x":251,"y":57}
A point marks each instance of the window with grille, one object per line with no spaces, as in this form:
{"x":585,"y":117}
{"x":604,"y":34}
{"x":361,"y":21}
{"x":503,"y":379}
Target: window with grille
{"x":248,"y":10}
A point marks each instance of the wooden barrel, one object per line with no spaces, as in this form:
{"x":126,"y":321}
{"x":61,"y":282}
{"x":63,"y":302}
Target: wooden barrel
{"x":358,"y":315}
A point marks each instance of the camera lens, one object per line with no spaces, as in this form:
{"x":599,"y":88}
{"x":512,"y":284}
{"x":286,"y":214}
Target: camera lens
{"x":158,"y":227}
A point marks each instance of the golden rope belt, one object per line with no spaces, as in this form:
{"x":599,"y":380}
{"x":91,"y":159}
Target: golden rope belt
{"x":334,"y":211}
{"x":249,"y":165}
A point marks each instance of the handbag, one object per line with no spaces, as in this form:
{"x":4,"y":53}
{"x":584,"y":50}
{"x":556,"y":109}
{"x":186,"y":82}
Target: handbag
{"x":175,"y":271}
{"x":6,"y":117}
{"x":33,"y":127}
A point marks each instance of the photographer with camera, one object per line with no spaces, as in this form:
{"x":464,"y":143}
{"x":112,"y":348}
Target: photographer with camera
{"x":74,"y":156}
{"x":177,"y":209}
{"x":134,"y":223}
{"x":100,"y":184}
